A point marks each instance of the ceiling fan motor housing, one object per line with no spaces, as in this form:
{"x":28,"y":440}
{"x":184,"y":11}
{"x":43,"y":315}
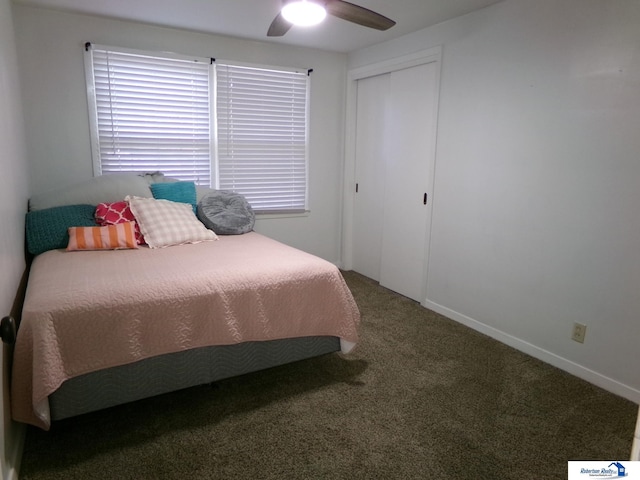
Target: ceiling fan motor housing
{"x":337,"y":8}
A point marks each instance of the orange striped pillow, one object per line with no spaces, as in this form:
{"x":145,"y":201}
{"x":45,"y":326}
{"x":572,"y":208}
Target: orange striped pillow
{"x":109,"y":237}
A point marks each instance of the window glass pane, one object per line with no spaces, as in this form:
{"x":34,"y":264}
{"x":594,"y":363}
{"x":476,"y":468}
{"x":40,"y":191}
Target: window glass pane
{"x":153,"y":114}
{"x":262,"y":136}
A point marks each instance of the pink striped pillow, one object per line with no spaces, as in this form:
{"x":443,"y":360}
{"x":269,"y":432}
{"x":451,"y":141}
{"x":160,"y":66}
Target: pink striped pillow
{"x":109,"y":237}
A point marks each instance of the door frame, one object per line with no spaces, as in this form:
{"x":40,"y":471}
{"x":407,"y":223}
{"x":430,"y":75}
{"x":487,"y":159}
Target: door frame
{"x":422,"y":57}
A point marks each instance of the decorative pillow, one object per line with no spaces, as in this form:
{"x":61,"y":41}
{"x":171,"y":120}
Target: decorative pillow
{"x":226,"y":213}
{"x":164,"y":223}
{"x":109,"y":237}
{"x":116,"y":213}
{"x":183,"y":192}
{"x":48,"y":229}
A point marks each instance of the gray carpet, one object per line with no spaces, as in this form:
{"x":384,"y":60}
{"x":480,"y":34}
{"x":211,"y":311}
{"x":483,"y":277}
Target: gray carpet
{"x":422,"y":397}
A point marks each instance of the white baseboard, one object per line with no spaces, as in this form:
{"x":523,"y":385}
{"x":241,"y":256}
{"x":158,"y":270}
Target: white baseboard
{"x":14,"y":452}
{"x":573,"y":368}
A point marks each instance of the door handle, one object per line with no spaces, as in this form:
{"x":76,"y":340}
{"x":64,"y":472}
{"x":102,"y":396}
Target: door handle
{"x":8,"y":330}
{"x":424,"y":199}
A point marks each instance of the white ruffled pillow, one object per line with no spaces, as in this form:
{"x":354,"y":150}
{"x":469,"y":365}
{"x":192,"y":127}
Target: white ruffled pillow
{"x":164,"y":223}
{"x":102,"y":189}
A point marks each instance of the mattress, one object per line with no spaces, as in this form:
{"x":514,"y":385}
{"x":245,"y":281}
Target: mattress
{"x":93,"y":310}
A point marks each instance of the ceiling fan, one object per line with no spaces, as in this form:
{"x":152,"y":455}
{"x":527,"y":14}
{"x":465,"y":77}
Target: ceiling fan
{"x":314,"y":11}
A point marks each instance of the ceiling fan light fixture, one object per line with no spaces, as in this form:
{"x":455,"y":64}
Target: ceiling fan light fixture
{"x":304,"y":13}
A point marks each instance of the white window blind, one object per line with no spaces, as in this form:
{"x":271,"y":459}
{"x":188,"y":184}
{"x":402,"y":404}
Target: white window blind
{"x":236,"y":127}
{"x":262,"y":135}
{"x":150,"y":114}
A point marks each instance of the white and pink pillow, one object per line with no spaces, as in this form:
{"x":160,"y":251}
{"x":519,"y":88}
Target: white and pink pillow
{"x":116,"y":213}
{"x":164,"y":223}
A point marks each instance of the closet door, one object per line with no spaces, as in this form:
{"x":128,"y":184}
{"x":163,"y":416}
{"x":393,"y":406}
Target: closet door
{"x":372,"y":99}
{"x":410,"y":133}
{"x":394,"y":171}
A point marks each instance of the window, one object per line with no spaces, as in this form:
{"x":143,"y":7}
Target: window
{"x":232,"y":127}
{"x":262,"y":135}
{"x":150,"y":113}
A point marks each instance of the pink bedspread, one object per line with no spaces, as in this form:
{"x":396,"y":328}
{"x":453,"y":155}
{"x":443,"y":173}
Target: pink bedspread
{"x":90,"y":310}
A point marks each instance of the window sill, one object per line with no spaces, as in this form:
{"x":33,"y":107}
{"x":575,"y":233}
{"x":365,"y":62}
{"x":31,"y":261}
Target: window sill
{"x":275,"y":215}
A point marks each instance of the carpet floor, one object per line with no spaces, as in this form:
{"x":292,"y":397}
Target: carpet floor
{"x":421,"y":397}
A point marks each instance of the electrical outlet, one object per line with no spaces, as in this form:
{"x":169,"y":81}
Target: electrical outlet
{"x":579,"y":332}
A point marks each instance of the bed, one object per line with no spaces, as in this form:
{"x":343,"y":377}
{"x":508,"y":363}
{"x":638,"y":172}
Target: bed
{"x":100,"y":328}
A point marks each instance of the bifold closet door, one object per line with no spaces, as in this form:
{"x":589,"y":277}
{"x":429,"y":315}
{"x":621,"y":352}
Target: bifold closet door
{"x":396,"y":150}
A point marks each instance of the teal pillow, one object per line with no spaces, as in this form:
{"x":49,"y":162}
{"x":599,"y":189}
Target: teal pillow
{"x":182,"y":192}
{"x":48,"y":229}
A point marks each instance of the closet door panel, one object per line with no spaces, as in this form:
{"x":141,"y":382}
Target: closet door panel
{"x":410,"y":137}
{"x":372,"y":101}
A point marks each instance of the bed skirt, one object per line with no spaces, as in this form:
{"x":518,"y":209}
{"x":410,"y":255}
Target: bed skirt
{"x":175,"y":371}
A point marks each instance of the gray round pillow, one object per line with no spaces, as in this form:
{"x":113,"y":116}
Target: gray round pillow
{"x":226,"y":213}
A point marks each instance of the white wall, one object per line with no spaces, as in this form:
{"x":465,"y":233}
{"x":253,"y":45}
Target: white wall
{"x":13,"y":205}
{"x":50,"y":52}
{"x":537,"y":187}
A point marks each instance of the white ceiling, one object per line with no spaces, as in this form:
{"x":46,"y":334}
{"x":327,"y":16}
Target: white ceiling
{"x":251,"y":18}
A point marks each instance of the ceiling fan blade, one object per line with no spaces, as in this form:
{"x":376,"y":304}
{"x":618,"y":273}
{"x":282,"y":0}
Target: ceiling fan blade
{"x":278,"y":27}
{"x":360,"y":15}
